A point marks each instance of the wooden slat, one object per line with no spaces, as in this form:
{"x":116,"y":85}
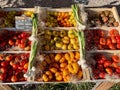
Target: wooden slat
{"x":105,"y":86}
{"x":5,"y":87}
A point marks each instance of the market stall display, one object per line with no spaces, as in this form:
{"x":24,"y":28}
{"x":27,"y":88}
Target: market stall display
{"x":15,"y":45}
{"x":63,"y":45}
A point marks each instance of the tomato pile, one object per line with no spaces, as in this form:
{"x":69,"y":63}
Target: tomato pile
{"x":60,"y":67}
{"x":105,"y":18}
{"x":106,"y":65}
{"x":7,"y":18}
{"x":60,"y":19}
{"x":10,"y":39}
{"x":102,"y":40}
{"x":60,"y":40}
{"x":13,"y":67}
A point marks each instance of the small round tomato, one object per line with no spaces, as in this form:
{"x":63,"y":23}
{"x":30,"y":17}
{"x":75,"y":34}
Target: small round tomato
{"x":118,"y":39}
{"x":113,"y":38}
{"x":22,"y":45}
{"x":2,"y":76}
{"x":14,"y":78}
{"x":118,"y":70}
{"x":11,"y":42}
{"x":9,"y":58}
{"x":15,"y":66}
{"x":114,"y":32}
{"x":12,"y":63}
{"x":112,"y":46}
{"x":26,"y":66}
{"x":107,"y":63}
{"x":3,"y":70}
{"x":109,"y":71}
{"x":115,"y":58}
{"x":102,"y":75}
{"x":109,"y":41}
{"x":23,"y":62}
{"x":17,"y":42}
{"x":23,"y":34}
{"x":4,"y":64}
{"x":118,"y":45}
{"x":115,"y":64}
{"x":102,"y":41}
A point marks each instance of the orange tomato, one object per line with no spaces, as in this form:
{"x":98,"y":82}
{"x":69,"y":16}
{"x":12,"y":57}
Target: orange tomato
{"x":26,"y":66}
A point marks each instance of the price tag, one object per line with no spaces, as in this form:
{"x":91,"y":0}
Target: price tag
{"x":23,"y":22}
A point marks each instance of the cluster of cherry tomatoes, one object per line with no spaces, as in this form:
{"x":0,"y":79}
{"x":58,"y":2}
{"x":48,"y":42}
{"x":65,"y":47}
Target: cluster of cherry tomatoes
{"x":102,"y":40}
{"x":13,"y":67}
{"x":106,"y":65}
{"x":9,"y":39}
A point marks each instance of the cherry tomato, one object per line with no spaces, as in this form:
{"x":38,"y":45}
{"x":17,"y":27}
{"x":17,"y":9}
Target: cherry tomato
{"x":112,"y":46}
{"x":26,"y":66}
{"x":114,"y":32}
{"x":118,"y":70}
{"x":113,"y":38}
{"x":22,"y":45}
{"x":23,"y":34}
{"x":12,"y":63}
{"x":14,"y":78}
{"x":115,"y":58}
{"x":4,"y":64}
{"x":107,"y":63}
{"x":23,"y":62}
{"x":17,"y":42}
{"x":100,"y":67}
{"x":109,"y":71}
{"x":115,"y":64}
{"x":118,"y":39}
{"x":118,"y":45}
{"x":1,"y":57}
{"x":11,"y":42}
{"x":102,"y":75}
{"x":15,"y":66}
{"x":2,"y":76}
{"x":102,"y":41}
{"x":109,"y":41}
{"x":3,"y":70}
{"x":9,"y":58}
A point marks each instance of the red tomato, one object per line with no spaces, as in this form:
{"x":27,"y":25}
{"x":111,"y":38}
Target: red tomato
{"x":115,"y":64}
{"x":11,"y":42}
{"x":23,"y":34}
{"x":114,"y":32}
{"x":102,"y":41}
{"x":2,"y":76}
{"x":118,"y":39}
{"x":118,"y":45}
{"x":100,"y":67}
{"x":113,"y":38}
{"x":12,"y":63}
{"x":17,"y":42}
{"x":109,"y":71}
{"x":109,"y":41}
{"x":15,"y":66}
{"x":112,"y":46}
{"x":115,"y":58}
{"x":26,"y":66}
{"x":23,"y":62}
{"x":107,"y":63}
{"x":14,"y":78}
{"x":102,"y":75}
{"x":9,"y":58}
{"x":22,"y":45}
{"x":4,"y":64}
{"x":3,"y":70}
{"x":118,"y":70}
